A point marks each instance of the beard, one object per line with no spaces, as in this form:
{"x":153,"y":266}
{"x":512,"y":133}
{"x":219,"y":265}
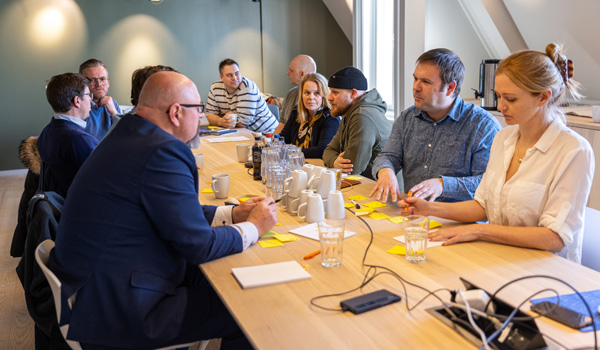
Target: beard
{"x":195,"y":141}
{"x":339,"y":111}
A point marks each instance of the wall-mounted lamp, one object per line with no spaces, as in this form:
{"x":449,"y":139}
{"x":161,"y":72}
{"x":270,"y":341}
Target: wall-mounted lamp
{"x":156,"y":2}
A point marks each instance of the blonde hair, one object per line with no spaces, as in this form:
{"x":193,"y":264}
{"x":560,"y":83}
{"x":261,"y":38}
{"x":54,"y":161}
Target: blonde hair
{"x":321,"y":82}
{"x":536,"y":72}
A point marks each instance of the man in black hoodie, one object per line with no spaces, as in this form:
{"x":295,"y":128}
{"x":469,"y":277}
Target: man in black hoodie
{"x":364,"y":129}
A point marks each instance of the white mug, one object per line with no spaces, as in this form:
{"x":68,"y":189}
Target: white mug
{"x":326,"y":184}
{"x":308,"y":169}
{"x":313,"y":209}
{"x":296,"y":183}
{"x":315,"y":176}
{"x":596,"y":114}
{"x":235,"y":118}
{"x":295,"y":204}
{"x":334,"y":206}
{"x":220,"y":185}
{"x":243,"y":152}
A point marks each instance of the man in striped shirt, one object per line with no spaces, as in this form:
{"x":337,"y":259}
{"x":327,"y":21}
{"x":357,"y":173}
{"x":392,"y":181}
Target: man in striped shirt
{"x":235,"y":94}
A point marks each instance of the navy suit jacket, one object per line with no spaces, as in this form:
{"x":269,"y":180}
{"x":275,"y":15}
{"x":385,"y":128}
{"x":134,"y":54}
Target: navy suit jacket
{"x":63,"y":147}
{"x":130,"y":227}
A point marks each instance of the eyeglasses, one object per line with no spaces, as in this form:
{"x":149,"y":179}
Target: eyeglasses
{"x":90,"y":94}
{"x":100,"y":80}
{"x":199,"y":107}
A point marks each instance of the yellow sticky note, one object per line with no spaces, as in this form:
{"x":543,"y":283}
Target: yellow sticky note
{"x":286,"y":238}
{"x":398,"y":249}
{"x":397,"y":219}
{"x":375,"y":205}
{"x":348,"y":205}
{"x":242,"y":200}
{"x":278,"y":224}
{"x":365,"y":210}
{"x":269,"y":234}
{"x":210,"y":127}
{"x":227,"y":139}
{"x":357,"y":198}
{"x":207,"y":190}
{"x":434,"y":224}
{"x":270,"y":243}
{"x":353,"y":177}
{"x":379,"y":216}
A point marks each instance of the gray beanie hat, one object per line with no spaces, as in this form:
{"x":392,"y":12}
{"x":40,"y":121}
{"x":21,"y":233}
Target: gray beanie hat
{"x":348,"y":78}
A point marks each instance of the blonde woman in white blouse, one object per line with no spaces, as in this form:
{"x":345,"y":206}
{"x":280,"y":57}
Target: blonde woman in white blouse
{"x":540,"y":172}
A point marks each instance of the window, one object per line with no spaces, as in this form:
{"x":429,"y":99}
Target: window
{"x":374,"y":47}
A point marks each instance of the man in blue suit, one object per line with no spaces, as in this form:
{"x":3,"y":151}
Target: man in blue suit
{"x":132,"y":232}
{"x":64,"y":144}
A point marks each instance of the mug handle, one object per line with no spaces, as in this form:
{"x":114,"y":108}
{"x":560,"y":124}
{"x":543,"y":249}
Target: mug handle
{"x":312,"y":179}
{"x":295,"y":202}
{"x":212,"y":185}
{"x":283,"y":202}
{"x":286,"y":184}
{"x":300,"y":207}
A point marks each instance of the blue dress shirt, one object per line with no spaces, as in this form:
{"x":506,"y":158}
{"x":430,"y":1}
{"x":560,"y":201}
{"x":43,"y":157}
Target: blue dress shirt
{"x":456,"y":148}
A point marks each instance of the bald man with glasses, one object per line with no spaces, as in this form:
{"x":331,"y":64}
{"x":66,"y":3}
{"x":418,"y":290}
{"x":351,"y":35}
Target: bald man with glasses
{"x":132,"y":232}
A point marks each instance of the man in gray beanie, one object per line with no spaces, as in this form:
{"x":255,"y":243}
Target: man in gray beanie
{"x":364,"y":129}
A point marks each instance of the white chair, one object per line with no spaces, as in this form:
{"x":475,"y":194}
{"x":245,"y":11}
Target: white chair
{"x":590,"y":251}
{"x":41,"y":256}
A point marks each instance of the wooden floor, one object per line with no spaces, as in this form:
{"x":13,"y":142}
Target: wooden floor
{"x":16,"y":327}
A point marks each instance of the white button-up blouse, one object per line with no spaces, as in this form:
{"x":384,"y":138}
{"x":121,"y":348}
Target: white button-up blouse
{"x":550,"y":188}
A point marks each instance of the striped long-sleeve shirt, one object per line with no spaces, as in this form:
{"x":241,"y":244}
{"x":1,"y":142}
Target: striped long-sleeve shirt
{"x":246,"y":101}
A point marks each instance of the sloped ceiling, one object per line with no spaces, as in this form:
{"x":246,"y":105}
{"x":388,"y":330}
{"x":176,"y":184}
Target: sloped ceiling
{"x":575,"y":24}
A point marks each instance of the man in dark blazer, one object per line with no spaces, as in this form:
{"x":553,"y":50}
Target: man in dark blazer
{"x":132,"y":232}
{"x":64,"y":144}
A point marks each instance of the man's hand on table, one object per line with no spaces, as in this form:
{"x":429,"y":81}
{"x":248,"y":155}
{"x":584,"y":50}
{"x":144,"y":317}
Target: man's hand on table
{"x":263,"y":213}
{"x":387,"y":183}
{"x":344,"y":164}
{"x":431,"y":188}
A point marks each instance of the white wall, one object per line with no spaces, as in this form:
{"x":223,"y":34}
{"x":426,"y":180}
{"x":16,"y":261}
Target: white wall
{"x":446,"y":25}
{"x":575,"y":24}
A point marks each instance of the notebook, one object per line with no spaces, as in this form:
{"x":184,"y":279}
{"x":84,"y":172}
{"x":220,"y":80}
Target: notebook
{"x":265,"y":275}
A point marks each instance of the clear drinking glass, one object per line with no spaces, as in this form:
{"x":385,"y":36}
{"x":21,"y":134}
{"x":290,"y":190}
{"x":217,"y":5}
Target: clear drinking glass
{"x":416,"y":230}
{"x":331,"y":236}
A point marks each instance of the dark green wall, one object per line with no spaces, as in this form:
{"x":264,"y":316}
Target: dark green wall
{"x":191,"y":35}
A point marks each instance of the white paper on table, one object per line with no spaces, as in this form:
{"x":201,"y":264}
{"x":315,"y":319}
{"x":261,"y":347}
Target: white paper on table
{"x":226,"y":139}
{"x":430,"y":244}
{"x":265,"y":275}
{"x":312,"y":231}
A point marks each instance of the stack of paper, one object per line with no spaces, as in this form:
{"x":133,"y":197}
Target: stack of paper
{"x":265,"y":275}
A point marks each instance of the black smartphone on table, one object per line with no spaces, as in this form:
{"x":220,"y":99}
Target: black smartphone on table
{"x":563,"y":315}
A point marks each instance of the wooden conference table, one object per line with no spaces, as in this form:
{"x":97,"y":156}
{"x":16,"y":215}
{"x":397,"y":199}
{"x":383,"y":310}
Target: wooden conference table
{"x":281,"y":317}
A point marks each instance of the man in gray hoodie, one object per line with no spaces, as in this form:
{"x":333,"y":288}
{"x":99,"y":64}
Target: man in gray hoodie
{"x":364,"y":129}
